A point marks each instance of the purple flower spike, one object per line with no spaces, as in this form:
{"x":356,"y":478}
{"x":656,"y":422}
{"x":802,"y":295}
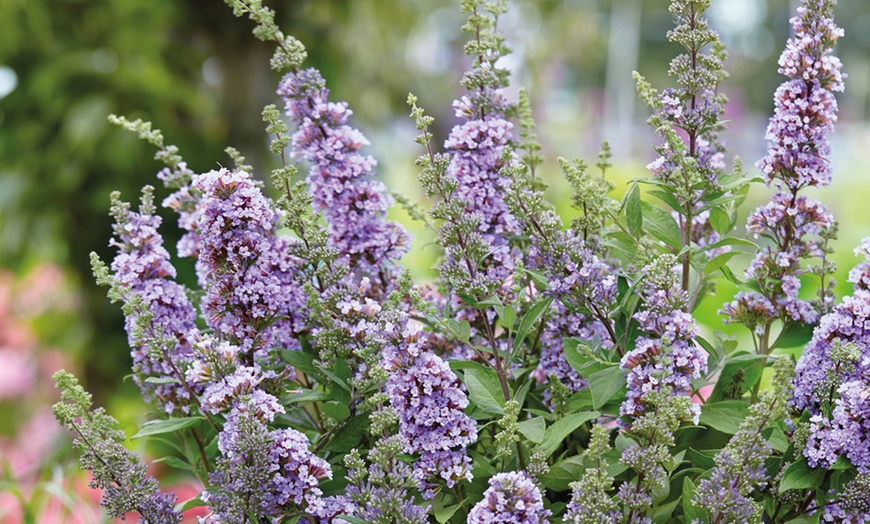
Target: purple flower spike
{"x":513,"y":498}
{"x":798,"y":156}
{"x":142,"y":266}
{"x":250,"y":277}
{"x":353,"y":204}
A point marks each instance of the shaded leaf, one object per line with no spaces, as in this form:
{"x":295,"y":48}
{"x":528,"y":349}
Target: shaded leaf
{"x":533,"y":429}
{"x":605,"y":384}
{"x":633,"y":212}
{"x":529,"y":319}
{"x":661,"y":225}
{"x":484,"y":389}
{"x":555,"y":434}
{"x":171,"y":425}
{"x":725,"y":416}
{"x":799,"y":475}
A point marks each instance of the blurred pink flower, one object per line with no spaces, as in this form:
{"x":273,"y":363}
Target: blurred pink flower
{"x":17,"y":373}
{"x":703,"y":394}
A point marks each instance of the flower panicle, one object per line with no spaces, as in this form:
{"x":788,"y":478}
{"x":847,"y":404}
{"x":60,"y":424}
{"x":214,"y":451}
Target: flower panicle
{"x":798,"y":156}
{"x":117,"y":471}
{"x":159,"y":315}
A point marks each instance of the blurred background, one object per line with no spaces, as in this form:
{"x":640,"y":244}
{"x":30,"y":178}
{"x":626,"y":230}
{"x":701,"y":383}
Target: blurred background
{"x":199,"y":75}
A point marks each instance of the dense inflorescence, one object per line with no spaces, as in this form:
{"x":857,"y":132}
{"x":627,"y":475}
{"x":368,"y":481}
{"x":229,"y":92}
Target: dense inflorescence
{"x":430,"y":402}
{"x":353,"y":204}
{"x":667,"y":356}
{"x":838,"y":350}
{"x":798,"y":157}
{"x":159,"y":316}
{"x":511,"y":498}
{"x":252,"y":297}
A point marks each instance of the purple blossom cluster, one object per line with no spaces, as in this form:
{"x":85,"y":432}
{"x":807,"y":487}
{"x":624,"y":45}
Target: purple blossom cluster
{"x":477,"y":150}
{"x":513,"y":498}
{"x":832,"y":379}
{"x":798,"y":156}
{"x":726,"y":493}
{"x":431,"y":405}
{"x":266,"y":472}
{"x":374,"y":494}
{"x":142,"y":267}
{"x":824,"y":365}
{"x":576,"y":275}
{"x":287,"y":472}
{"x":352,"y":203}
{"x":667,"y":356}
{"x":846,"y":432}
{"x":252,"y":296}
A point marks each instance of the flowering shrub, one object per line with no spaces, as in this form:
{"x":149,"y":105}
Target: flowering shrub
{"x":553,"y":374}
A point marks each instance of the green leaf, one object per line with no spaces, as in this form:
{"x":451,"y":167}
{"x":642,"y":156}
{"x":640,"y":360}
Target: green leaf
{"x":703,"y":459}
{"x":579,"y":361}
{"x":662,"y":225}
{"x":561,"y":475}
{"x":468,"y":299}
{"x":623,"y":243}
{"x":725,"y":416}
{"x":171,"y":425}
{"x":529,"y":319}
{"x":195,"y":502}
{"x":633,"y":213}
{"x":520,"y":395}
{"x":668,"y":198}
{"x":690,"y":510}
{"x":538,"y":278}
{"x":484,"y":389}
{"x":336,"y":410}
{"x":442,"y":515}
{"x":718,"y":261}
{"x":750,"y":365}
{"x":605,"y":384}
{"x":303,"y":362}
{"x":508,"y":316}
{"x":306,"y":396}
{"x":842,"y":463}
{"x":533,"y":429}
{"x":491,"y":301}
{"x":555,"y":434}
{"x":799,"y":475}
{"x":730,"y":241}
{"x":664,"y":511}
{"x":720,"y":221}
{"x":350,"y":434}
{"x":793,"y":335}
{"x":777,"y":438}
{"x":175,"y":462}
{"x":464,"y":331}
{"x":161,"y":380}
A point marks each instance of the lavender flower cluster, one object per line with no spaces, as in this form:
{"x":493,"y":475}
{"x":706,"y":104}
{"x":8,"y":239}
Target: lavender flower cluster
{"x":798,"y":157}
{"x":431,"y":404}
{"x":352,"y":203}
{"x":143,"y":270}
{"x":833,"y":378}
{"x":667,"y":357}
{"x":512,"y":498}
